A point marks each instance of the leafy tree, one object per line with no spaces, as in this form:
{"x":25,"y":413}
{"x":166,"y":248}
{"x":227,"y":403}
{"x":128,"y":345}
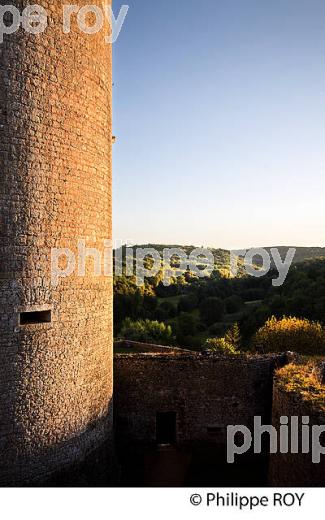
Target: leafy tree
{"x":147,"y":331}
{"x":217,"y":330}
{"x":187,"y":303}
{"x":165,"y":311}
{"x":165,"y":291}
{"x":233,"y":304}
{"x":150,"y":303}
{"x":277,"y":305}
{"x":252,"y":320}
{"x":212,"y":310}
{"x":127,"y":305}
{"x":233,"y":336}
{"x":187,"y":324}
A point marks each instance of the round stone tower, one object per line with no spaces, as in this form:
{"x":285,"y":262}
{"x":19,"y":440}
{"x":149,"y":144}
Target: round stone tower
{"x":55,"y":201}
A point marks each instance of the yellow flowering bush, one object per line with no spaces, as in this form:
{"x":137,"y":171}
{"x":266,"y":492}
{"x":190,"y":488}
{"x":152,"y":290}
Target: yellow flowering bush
{"x":290,"y":334}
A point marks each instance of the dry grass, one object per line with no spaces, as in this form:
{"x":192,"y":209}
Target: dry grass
{"x":302,"y":380}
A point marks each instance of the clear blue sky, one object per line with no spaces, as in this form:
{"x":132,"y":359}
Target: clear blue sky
{"x":219,"y":111}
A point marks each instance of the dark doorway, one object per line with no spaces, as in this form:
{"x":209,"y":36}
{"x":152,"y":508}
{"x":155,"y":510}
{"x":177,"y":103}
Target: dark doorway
{"x":166,"y":428}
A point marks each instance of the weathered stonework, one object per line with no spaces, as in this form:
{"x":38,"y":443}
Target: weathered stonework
{"x":207,"y":393}
{"x":295,"y":469}
{"x":55,"y":188}
{"x":133,"y":347}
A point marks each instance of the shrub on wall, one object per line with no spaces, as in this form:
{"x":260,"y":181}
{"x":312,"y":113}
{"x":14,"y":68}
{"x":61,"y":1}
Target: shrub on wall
{"x":230,"y":344}
{"x":301,"y":380}
{"x":233,"y":336}
{"x":290,"y":334}
{"x":220,"y":346}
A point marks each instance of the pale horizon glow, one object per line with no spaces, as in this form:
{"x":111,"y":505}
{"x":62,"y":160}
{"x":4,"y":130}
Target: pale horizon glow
{"x":219,"y":113}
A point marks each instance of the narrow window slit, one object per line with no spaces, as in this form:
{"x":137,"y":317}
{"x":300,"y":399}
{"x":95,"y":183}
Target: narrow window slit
{"x":35,"y":317}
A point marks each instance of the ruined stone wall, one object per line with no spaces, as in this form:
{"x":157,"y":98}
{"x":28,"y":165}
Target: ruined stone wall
{"x":295,"y":469}
{"x":55,"y":188}
{"x":206,"y":392}
{"x":137,"y":347}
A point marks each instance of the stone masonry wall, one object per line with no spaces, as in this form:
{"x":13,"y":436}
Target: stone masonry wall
{"x":295,"y":469}
{"x":55,"y":188}
{"x":206,"y":392}
{"x":137,"y":347}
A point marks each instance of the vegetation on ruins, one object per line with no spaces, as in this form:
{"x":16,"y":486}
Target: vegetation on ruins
{"x":219,"y":346}
{"x":229,"y":344}
{"x":302,"y":380}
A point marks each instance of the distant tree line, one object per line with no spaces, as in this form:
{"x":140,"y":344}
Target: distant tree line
{"x":192,"y":310}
